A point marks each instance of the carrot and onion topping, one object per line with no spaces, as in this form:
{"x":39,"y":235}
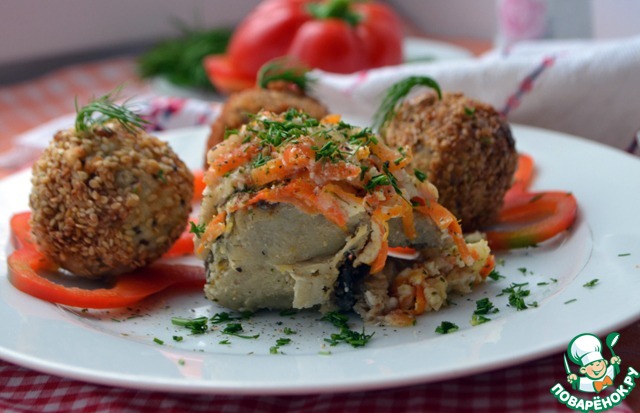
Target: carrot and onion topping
{"x":325,"y":167}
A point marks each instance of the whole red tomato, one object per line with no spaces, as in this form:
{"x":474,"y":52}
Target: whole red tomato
{"x":341,"y":36}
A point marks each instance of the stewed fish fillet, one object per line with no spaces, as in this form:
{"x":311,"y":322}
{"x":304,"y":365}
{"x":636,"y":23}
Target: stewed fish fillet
{"x":302,"y":213}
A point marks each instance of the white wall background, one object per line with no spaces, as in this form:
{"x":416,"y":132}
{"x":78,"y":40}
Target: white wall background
{"x":37,"y":29}
{"x":43,"y":28}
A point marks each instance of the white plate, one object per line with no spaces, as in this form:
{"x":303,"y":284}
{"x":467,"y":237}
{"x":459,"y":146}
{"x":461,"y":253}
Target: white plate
{"x":117,"y":347}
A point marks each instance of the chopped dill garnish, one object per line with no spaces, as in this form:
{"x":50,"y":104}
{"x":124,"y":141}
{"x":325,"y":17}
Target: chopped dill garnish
{"x":229,"y":132}
{"x":178,"y":338}
{"x":289,"y":331}
{"x":571,"y":301}
{"x":516,"y":295}
{"x":484,"y":306}
{"x":279,"y":343}
{"x":363,"y":170}
{"x":260,"y":160}
{"x":363,"y":137}
{"x":196,"y":325}
{"x":385,"y":178}
{"x":376,"y":181}
{"x":591,"y":283}
{"x":477,"y":319}
{"x":197,"y":229}
{"x":495,"y":275}
{"x":420,"y":175}
{"x":234,"y":329}
{"x":158,"y":341}
{"x":346,"y":335}
{"x":329,"y":151}
{"x":223,"y":317}
{"x":446,"y":327}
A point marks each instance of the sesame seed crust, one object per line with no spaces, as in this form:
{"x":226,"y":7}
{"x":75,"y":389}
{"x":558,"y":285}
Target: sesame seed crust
{"x":465,"y":148}
{"x":108,"y":201}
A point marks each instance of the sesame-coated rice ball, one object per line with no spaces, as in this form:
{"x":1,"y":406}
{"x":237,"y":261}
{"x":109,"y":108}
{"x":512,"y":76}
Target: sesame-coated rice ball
{"x":465,"y":148}
{"x":108,"y":199}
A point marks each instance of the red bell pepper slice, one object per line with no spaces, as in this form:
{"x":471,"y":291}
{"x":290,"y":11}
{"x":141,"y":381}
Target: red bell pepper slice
{"x":528,"y":218}
{"x":21,"y":237}
{"x":26,"y":265}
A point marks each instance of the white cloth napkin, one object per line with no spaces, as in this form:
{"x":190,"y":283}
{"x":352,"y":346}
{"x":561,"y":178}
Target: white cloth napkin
{"x":585,"y":88}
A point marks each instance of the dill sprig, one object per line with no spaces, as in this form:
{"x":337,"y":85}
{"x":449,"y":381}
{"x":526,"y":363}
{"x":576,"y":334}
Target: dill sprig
{"x":285,"y":70}
{"x":106,"y":109}
{"x":180,"y":60}
{"x":395,"y":94}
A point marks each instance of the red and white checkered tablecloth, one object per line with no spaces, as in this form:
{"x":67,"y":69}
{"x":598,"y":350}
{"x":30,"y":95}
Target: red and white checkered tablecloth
{"x":521,"y":388}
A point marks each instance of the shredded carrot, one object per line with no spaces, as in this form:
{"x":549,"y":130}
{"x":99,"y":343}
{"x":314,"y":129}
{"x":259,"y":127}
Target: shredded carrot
{"x":293,"y":159}
{"x":421,"y":300}
{"x":214,"y":229}
{"x":488,"y":266}
{"x":233,"y":159}
{"x":345,"y":193}
{"x":395,"y":159}
{"x":378,"y":264}
{"x":445,"y":220}
{"x":407,"y":221}
{"x":273,"y":170}
{"x":441,"y":216}
{"x":331,"y":119}
{"x":336,"y":171}
{"x":305,"y":196}
{"x":299,"y":155}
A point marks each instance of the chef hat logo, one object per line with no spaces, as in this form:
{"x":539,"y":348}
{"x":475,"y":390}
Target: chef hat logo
{"x":585,"y":349}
